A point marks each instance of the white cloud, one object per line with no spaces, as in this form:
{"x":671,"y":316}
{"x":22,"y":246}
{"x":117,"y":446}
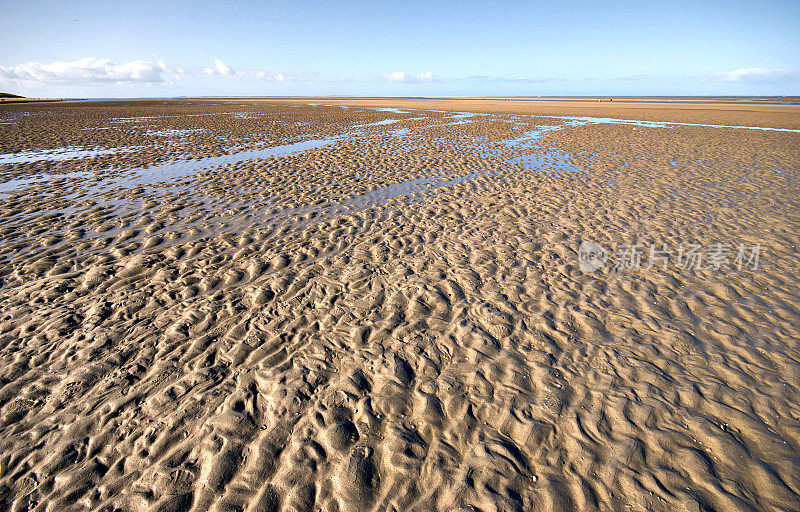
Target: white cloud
{"x":220,"y":69}
{"x":529,"y":80}
{"x":91,"y":70}
{"x":396,"y":76}
{"x":86,"y":70}
{"x":512,"y":79}
{"x":223,"y":70}
{"x":756,"y":75}
{"x":401,"y":77}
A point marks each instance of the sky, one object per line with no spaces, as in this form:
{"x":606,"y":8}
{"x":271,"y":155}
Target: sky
{"x":144,"y":48}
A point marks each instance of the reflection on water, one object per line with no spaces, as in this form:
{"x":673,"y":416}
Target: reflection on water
{"x":21,"y":183}
{"x":576,"y":120}
{"x":169,"y":170}
{"x":385,"y":121}
{"x":532,"y":135}
{"x":383,"y":194}
{"x":413,"y":189}
{"x":390,"y":109}
{"x":66,"y":153}
{"x":172,"y":132}
{"x":553,"y":161}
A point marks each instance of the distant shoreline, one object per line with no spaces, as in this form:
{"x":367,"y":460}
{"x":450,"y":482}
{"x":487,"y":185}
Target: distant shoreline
{"x":4,"y":101}
{"x":672,"y":100}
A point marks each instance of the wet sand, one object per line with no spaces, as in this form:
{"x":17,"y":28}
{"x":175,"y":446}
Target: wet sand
{"x":387,"y":308}
{"x":723,"y":113}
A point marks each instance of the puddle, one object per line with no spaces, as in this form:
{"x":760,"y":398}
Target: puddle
{"x":390,"y":109}
{"x":383,"y":194}
{"x":532,"y":135}
{"x":175,"y":132}
{"x":20,"y":183}
{"x":169,"y":170}
{"x":551,"y":162}
{"x":663,"y":124}
{"x":463,"y":117}
{"x":244,"y":115}
{"x":465,"y":177}
{"x":133,"y":119}
{"x":414,"y":189}
{"x":66,"y":153}
{"x":385,"y":121}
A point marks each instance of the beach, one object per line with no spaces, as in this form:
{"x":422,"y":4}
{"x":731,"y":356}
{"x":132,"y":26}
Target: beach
{"x":410,"y":304}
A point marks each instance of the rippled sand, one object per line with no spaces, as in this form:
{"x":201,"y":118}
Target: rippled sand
{"x":273,"y":305}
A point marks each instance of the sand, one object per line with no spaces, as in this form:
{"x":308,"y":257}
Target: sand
{"x":394,"y":316}
{"x":725,"y":113}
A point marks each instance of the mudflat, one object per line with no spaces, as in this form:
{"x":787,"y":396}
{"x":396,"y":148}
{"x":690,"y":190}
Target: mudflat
{"x":777,"y":113}
{"x":399,"y":304}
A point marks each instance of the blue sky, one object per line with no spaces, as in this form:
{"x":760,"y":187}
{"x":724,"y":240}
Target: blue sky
{"x":147,"y":48}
